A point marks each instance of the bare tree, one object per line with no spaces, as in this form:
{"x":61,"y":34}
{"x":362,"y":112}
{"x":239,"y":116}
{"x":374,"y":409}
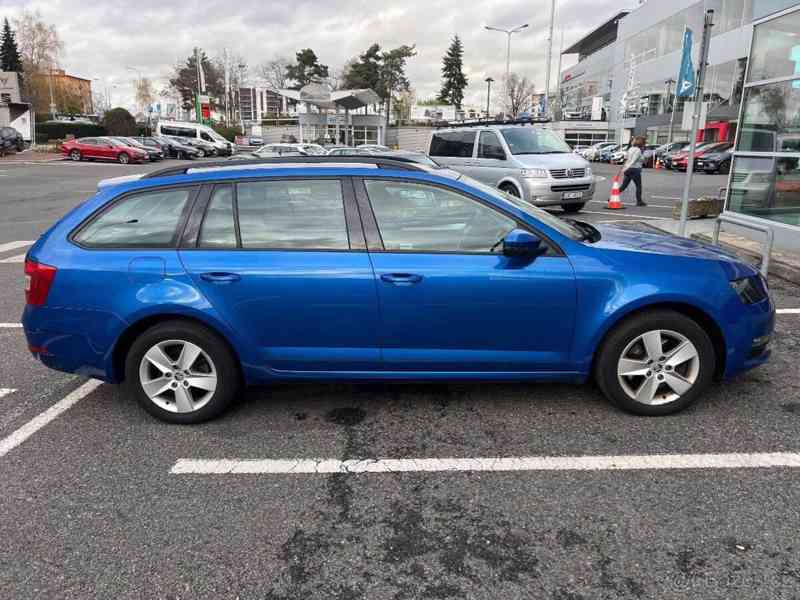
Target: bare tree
{"x":274,"y":73}
{"x":518,"y":94}
{"x":38,"y":42}
{"x":145,"y":94}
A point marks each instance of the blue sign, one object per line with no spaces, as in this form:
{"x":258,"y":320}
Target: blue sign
{"x":686,"y":81}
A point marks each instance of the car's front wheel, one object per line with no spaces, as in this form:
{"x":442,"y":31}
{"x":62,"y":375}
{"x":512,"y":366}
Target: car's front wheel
{"x":510,"y":189}
{"x":181,"y":372}
{"x":655,"y":363}
{"x":75,"y":155}
{"x":123,"y":158}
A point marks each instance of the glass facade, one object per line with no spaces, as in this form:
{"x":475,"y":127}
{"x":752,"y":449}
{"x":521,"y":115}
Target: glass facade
{"x":765,"y":179}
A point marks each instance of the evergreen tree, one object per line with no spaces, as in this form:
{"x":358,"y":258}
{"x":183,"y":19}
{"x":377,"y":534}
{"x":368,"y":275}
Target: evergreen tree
{"x":306,"y":70}
{"x":10,"y":59}
{"x":454,"y":82}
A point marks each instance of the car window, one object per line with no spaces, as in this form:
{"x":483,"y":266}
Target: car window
{"x":145,"y":220}
{"x":292,"y":214}
{"x":218,"y":229}
{"x":489,"y":146}
{"x":530,"y":140}
{"x":453,"y":143}
{"x":205,"y":136}
{"x":425,"y":218}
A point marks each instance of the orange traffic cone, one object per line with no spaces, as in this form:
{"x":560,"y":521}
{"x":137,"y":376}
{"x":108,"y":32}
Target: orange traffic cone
{"x":658,"y":164}
{"x":613,"y":199}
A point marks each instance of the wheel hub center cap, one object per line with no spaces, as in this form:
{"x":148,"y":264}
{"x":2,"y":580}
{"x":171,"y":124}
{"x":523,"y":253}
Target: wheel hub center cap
{"x":179,"y":376}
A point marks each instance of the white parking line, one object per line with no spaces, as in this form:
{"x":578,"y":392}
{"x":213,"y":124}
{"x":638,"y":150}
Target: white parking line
{"x":14,"y":245}
{"x":186,"y":466}
{"x":788,"y":311}
{"x":10,"y":325}
{"x":6,"y":391}
{"x":666,"y":198}
{"x":19,"y":258}
{"x":8,"y":443}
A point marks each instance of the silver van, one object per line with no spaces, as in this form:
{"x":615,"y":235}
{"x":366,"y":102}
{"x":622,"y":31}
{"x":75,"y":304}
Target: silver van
{"x":526,"y":161}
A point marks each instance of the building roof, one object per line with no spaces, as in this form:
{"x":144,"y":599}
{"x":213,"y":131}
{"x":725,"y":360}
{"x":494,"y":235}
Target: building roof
{"x":321,"y":97}
{"x":598,"y":38}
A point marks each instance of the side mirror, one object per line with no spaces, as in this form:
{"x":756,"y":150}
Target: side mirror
{"x":523,"y":244}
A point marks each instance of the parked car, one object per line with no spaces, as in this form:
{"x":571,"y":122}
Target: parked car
{"x":647,"y":155}
{"x":170,"y":147}
{"x":668,"y":157}
{"x":100,"y":148}
{"x":661,"y":151}
{"x":341,"y":151}
{"x":681,"y":160}
{"x":653,"y":319}
{"x":592,"y":154}
{"x":310,"y":149}
{"x":618,"y":156}
{"x":196,"y":132}
{"x":718,"y":161}
{"x":372,"y":148}
{"x":255,"y":140}
{"x":153,"y":154}
{"x":274,"y":150}
{"x":11,"y":140}
{"x":412,"y":155}
{"x":203,"y":148}
{"x":605,"y":154}
{"x":531,"y":163}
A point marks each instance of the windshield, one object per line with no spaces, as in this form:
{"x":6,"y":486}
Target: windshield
{"x":529,"y":140}
{"x":537,"y":213}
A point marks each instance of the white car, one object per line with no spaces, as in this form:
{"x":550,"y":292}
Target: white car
{"x":285,"y":148}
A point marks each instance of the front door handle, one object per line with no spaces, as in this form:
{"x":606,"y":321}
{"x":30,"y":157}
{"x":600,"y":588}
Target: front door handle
{"x":401,"y":278}
{"x":217,"y":277}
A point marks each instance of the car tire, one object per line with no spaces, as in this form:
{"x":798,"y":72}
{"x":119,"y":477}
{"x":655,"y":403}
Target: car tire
{"x":634,"y":379}
{"x":123,"y":158}
{"x":725,"y":168}
{"x":201,"y":153}
{"x":167,"y":394}
{"x":572,"y":208}
{"x":511,"y":189}
{"x":75,"y":155}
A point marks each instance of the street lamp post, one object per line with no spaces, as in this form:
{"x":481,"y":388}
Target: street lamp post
{"x":509,"y":33}
{"x":489,"y":81}
{"x":139,"y":87}
{"x":669,"y":83}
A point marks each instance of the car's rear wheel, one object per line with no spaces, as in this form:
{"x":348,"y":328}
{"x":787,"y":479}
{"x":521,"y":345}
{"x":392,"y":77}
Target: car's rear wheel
{"x":123,"y":158}
{"x":201,"y":153}
{"x":75,"y":155}
{"x":572,"y":208}
{"x":509,"y":188}
{"x":725,"y":168}
{"x":181,"y":372}
{"x":655,"y":363}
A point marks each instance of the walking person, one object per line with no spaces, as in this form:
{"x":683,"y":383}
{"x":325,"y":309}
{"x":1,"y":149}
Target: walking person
{"x":632,"y":169}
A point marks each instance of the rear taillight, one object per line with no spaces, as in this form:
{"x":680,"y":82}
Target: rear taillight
{"x":39,"y":278}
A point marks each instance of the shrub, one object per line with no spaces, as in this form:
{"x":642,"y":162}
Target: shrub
{"x":58,"y":130}
{"x":229,"y":132}
{"x":119,"y":121}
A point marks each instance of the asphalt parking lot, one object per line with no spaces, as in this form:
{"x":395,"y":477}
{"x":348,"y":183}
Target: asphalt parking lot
{"x":100,"y":500}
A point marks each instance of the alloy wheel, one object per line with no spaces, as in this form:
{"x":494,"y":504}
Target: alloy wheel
{"x":658,"y":367}
{"x":178,"y":376}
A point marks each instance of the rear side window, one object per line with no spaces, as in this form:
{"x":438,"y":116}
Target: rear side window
{"x":490,"y":147}
{"x":146,"y":220}
{"x":453,"y":143}
{"x":292,"y":214}
{"x":219,"y":230}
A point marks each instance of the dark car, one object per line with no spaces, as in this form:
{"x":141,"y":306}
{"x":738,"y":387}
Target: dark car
{"x":10,"y":139}
{"x":203,"y":147}
{"x":175,"y":149}
{"x":716,"y":162}
{"x":153,"y":154}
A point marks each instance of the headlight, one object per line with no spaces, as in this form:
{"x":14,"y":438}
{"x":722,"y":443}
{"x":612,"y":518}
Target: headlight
{"x":588,"y":171}
{"x":534,"y":173}
{"x":750,"y":289}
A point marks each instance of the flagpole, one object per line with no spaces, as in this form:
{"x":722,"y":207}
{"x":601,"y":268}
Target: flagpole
{"x":698,"y":105}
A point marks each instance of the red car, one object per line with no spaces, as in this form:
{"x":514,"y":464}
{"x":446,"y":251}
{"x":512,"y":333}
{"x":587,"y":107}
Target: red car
{"x":681,"y":159}
{"x":101,"y":148}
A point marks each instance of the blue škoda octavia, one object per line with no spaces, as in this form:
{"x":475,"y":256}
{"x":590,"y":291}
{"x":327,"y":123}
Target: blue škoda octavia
{"x":189,"y":282}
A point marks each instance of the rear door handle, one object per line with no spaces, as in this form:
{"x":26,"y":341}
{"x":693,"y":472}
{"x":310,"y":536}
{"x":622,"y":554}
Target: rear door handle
{"x":401,"y":278}
{"x":216,"y":277}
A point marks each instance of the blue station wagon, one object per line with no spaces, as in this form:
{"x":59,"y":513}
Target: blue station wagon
{"x":188,"y":283}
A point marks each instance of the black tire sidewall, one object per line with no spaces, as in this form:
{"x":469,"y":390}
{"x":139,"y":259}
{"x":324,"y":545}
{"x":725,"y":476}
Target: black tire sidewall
{"x":511,"y":189}
{"x":628,"y":330}
{"x":228,"y":376}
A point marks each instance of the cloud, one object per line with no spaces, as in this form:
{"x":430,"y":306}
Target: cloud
{"x":101,"y":39}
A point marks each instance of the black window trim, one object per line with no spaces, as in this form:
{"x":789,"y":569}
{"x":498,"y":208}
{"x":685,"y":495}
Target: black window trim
{"x":355,"y":234}
{"x":193,"y":190}
{"x":375,"y":242}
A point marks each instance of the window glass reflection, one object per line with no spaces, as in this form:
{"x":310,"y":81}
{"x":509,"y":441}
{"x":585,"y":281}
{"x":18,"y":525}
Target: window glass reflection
{"x":766,"y":187}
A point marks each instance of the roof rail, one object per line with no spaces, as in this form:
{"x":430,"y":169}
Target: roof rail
{"x":484,"y":122}
{"x":379,"y":162}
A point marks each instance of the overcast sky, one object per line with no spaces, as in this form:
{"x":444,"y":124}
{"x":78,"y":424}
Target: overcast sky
{"x":101,"y":38}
